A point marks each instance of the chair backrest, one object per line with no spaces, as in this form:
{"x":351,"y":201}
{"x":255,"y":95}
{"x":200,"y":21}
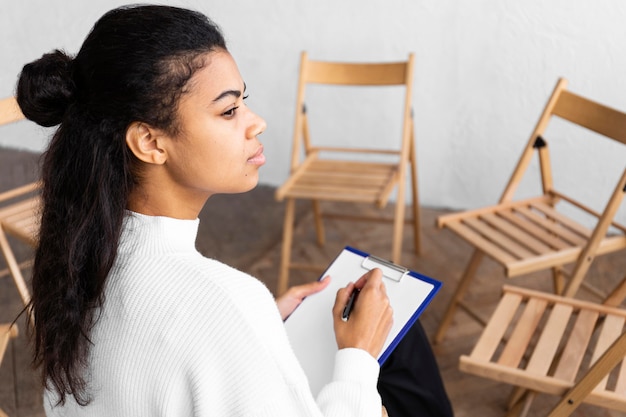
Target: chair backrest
{"x":352,"y":74}
{"x":9,"y":111}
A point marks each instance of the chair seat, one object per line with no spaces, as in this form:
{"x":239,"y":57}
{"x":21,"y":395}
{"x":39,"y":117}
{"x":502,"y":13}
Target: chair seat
{"x":546,"y":343}
{"x":340,"y":180}
{"x":526,"y":236}
{"x":21,"y":219}
{"x":335,"y":180}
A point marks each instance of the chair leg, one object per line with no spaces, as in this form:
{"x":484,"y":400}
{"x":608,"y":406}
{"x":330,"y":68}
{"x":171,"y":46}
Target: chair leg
{"x":285,"y":260}
{"x":460,"y":291}
{"x":416,"y":209}
{"x":417,"y":240}
{"x":398,"y":228}
{"x":319,"y":223}
{"x":14,"y":367}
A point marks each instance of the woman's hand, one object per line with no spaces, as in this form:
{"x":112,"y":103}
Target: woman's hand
{"x":292,"y":298}
{"x":371,"y":318}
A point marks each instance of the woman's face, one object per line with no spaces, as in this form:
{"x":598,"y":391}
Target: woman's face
{"x":216,"y":149}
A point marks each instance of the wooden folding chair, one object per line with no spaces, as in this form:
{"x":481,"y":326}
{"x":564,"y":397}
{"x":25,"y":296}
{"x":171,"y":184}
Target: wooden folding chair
{"x":546,"y":343}
{"x":370,"y":178}
{"x":19,"y":212}
{"x":536,"y":234}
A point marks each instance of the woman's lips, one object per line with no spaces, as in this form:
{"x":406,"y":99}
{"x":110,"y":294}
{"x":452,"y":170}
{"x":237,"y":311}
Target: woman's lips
{"x":258,"y":158}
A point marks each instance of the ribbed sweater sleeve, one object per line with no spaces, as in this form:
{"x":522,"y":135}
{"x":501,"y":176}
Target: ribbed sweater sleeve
{"x":183,"y":335}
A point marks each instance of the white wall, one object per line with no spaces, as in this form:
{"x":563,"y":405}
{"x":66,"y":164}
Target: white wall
{"x":484,"y":70}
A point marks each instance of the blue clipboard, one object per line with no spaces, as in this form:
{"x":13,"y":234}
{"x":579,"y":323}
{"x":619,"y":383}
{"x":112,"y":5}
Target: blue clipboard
{"x":310,"y":326}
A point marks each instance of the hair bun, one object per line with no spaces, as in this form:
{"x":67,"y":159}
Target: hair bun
{"x":45,"y":88}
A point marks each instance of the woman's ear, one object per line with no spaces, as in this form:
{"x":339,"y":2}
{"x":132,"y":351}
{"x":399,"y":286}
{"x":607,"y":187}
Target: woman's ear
{"x":144,"y":142}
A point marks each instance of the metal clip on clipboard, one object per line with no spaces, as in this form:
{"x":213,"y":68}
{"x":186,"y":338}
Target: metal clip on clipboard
{"x":390,"y":270}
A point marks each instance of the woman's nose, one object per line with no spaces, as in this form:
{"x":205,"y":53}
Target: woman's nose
{"x":257,"y":126}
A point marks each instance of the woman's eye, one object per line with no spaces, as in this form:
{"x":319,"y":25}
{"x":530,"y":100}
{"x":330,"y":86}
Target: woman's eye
{"x":230,"y":112}
{"x":233,"y":111}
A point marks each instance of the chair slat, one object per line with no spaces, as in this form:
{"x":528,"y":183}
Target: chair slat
{"x":523,"y":332}
{"x":550,"y":339}
{"x":495,"y":329}
{"x":534,"y":230}
{"x":612,"y":328}
{"x":479,"y":241}
{"x":340,"y":184}
{"x":516,"y":233}
{"x":576,"y":346}
{"x":347,"y":180}
{"x":299,"y":172}
{"x":329,"y":189}
{"x":496,"y":236}
{"x":571,"y":224}
{"x":336,"y":149}
{"x":443,"y":220}
{"x":333,"y":194}
{"x":342,"y":165}
{"x":552,"y":227}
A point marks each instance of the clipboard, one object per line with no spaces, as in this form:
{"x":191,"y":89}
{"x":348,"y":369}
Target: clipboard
{"x":310,"y":326}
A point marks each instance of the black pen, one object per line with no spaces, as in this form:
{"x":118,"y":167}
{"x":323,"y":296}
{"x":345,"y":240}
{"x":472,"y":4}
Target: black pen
{"x":350,"y":304}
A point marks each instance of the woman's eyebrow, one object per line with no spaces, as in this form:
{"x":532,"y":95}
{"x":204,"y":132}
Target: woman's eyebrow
{"x":232,"y":93}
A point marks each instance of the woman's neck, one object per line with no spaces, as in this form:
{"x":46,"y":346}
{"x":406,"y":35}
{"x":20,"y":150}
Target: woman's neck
{"x":165,"y":201}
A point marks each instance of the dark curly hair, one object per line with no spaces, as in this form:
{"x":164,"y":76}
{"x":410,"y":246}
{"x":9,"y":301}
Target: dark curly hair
{"x":133,"y":66}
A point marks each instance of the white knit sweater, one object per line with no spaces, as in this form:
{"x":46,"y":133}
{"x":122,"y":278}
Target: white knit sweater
{"x":183,"y":335}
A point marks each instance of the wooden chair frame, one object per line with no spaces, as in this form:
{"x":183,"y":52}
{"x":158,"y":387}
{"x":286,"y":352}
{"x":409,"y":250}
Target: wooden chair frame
{"x":557,"y":345}
{"x":531,"y":235}
{"x":19,"y":212}
{"x":317,"y":179}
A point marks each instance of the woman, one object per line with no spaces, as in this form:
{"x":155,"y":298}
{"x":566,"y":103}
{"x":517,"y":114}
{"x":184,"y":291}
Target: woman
{"x":129,"y":319}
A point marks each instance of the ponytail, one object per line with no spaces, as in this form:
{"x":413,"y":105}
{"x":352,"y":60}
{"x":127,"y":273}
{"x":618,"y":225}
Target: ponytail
{"x":86,"y":184}
{"x":134,"y":66}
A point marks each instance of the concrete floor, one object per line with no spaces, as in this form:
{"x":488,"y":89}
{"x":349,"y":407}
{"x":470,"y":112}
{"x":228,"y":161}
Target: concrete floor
{"x":245,"y":231}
